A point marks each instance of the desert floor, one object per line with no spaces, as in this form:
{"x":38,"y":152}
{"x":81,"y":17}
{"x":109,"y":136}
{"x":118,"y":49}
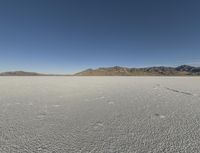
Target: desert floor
{"x":99,"y":114}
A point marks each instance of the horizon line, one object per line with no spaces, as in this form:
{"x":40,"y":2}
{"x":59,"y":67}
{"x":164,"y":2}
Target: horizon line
{"x":94,"y":68}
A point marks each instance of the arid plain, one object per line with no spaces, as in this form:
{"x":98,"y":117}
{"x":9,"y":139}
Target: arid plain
{"x":99,"y":114}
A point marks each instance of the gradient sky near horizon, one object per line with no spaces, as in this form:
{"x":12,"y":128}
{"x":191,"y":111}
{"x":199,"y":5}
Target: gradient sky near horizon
{"x":66,"y":36}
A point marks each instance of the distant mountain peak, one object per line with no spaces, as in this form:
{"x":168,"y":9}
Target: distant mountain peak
{"x":184,"y":68}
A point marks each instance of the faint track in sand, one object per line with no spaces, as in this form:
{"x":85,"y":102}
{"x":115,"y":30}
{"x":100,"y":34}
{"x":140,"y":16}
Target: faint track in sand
{"x":177,"y":91}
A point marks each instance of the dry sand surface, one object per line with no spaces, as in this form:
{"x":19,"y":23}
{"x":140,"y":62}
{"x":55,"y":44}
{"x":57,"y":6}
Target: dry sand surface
{"x":99,"y":114}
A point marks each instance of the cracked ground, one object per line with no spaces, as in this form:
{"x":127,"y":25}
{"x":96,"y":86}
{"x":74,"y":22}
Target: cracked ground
{"x":99,"y":114}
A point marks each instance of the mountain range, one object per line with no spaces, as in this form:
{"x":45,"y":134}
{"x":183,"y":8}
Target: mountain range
{"x":183,"y":70}
{"x":148,"y":71}
{"x":20,"y":73}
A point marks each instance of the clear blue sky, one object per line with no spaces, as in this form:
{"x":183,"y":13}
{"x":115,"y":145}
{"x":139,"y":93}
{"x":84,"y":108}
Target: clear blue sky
{"x":64,"y":36}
